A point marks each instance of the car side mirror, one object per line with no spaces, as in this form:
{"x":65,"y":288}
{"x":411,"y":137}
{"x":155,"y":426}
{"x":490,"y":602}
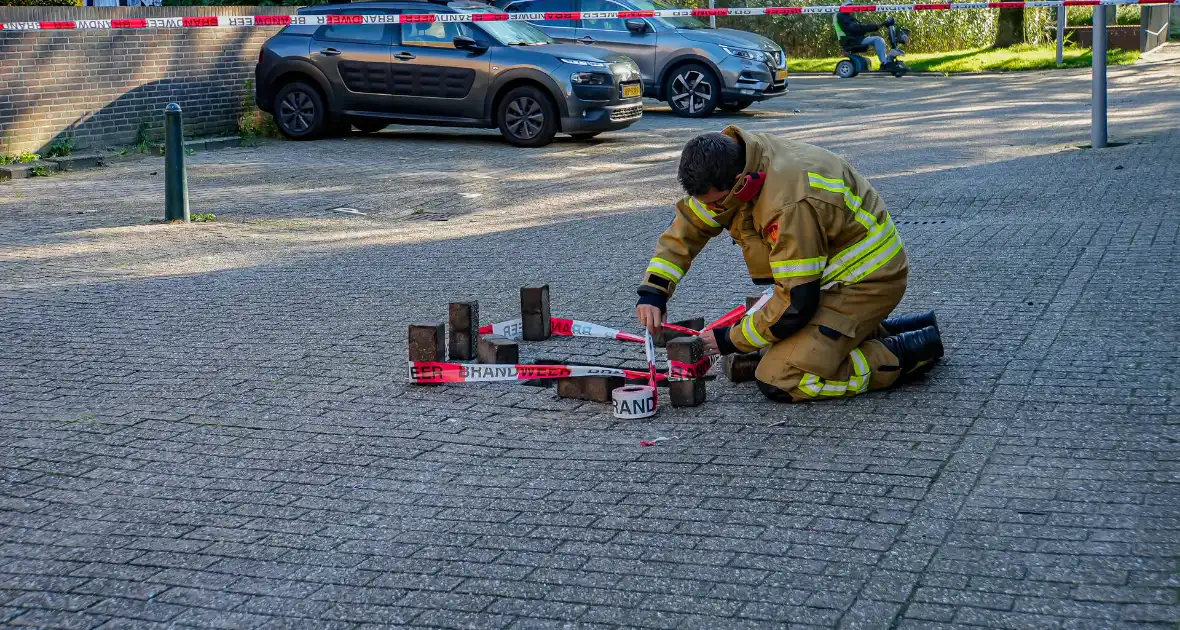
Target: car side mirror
{"x":636,"y":26}
{"x":462,"y":42}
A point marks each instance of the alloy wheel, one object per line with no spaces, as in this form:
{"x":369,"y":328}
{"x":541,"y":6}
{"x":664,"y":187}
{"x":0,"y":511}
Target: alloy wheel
{"x":691,"y":92}
{"x":296,"y":112}
{"x":524,"y":118}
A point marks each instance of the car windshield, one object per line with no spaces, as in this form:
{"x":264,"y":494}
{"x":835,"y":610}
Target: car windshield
{"x":512,"y":33}
{"x":675,"y":22}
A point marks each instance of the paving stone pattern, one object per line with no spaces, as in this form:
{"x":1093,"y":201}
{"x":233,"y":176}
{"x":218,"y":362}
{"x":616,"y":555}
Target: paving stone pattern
{"x":208,"y":426}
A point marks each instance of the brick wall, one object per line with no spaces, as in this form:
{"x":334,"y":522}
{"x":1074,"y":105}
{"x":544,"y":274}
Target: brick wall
{"x":105,"y":86}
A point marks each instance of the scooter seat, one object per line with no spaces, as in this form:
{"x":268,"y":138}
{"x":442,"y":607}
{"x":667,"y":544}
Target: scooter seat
{"x":859,"y":48}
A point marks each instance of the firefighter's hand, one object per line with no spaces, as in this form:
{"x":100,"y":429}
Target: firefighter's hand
{"x":650,"y":317}
{"x":710,"y":339}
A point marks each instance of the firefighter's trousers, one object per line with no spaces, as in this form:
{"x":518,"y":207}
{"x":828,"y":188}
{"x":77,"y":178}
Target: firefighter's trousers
{"x":836,"y":354}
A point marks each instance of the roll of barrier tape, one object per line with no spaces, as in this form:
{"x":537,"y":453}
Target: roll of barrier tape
{"x":634,"y":401}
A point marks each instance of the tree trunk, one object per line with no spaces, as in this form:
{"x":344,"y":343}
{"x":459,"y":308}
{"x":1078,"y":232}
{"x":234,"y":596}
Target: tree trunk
{"x":1010,"y":28}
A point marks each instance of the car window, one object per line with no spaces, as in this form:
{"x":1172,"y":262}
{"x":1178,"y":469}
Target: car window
{"x":511,"y":33}
{"x":358,"y":33}
{"x":611,"y":24}
{"x":544,"y":6}
{"x":434,"y":34}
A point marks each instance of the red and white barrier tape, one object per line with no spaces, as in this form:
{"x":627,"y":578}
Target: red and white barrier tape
{"x":239,"y":21}
{"x":649,"y":348}
{"x":433,"y":372}
{"x":514,"y":329}
{"x":424,"y":372}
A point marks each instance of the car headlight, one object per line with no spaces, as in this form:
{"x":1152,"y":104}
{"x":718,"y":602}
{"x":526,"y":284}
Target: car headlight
{"x":584,"y":62}
{"x":744,"y":53}
{"x":590,"y":78}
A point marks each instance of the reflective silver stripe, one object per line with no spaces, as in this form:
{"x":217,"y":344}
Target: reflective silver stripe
{"x":797,"y":268}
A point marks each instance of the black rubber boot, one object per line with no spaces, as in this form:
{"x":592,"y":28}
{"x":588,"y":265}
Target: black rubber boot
{"x":917,"y":350}
{"x":773,"y":393}
{"x":907,"y":323}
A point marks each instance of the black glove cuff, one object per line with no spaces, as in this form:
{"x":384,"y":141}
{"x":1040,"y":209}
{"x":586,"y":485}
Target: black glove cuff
{"x":724,"y":345}
{"x":652,"y":298}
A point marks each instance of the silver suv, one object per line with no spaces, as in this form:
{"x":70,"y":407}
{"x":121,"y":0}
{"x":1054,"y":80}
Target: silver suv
{"x":319,"y":80}
{"x":683,"y":61}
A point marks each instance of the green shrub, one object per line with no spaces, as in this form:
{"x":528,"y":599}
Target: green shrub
{"x":253,"y":122}
{"x":930,"y":31}
{"x":23,"y":158}
{"x":61,"y":147}
{"x":1084,"y":16}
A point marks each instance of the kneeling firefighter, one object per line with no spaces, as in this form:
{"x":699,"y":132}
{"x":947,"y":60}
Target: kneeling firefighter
{"x":812,"y":226}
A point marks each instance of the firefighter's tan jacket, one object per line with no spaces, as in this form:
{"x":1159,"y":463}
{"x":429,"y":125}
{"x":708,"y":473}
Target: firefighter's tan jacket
{"x":816,"y":220}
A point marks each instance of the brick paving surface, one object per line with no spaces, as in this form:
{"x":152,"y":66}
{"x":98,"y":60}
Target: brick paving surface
{"x":208,"y":426}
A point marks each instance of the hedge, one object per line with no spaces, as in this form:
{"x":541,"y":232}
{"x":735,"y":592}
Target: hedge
{"x":811,"y":35}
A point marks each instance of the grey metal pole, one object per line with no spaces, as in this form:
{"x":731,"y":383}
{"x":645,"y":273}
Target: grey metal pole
{"x":712,"y":18}
{"x":1098,"y":91}
{"x":1060,"y":36}
{"x":175,"y":177}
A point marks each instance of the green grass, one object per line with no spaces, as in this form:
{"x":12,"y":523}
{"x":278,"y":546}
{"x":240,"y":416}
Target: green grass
{"x":984,"y":60}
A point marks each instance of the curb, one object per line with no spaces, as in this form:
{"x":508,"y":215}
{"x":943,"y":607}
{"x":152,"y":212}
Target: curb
{"x":203,"y":144}
{"x":82,"y":161}
{"x":26,"y":170}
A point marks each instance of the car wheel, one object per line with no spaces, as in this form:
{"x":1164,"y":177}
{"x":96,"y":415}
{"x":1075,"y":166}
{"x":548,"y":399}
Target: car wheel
{"x":582,"y":137}
{"x":693,"y":91}
{"x":735,"y":107}
{"x":846,"y":69}
{"x":300,"y":112}
{"x":369,"y":125}
{"x":527,"y":118}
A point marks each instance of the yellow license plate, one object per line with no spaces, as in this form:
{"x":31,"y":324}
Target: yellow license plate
{"x":782,"y":74}
{"x":631,"y":91}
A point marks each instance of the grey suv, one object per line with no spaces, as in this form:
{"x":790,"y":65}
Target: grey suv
{"x":319,"y":80}
{"x":685,"y":62}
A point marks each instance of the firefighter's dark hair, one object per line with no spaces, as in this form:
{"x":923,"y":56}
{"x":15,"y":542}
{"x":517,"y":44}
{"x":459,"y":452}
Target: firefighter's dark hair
{"x":710,"y":160}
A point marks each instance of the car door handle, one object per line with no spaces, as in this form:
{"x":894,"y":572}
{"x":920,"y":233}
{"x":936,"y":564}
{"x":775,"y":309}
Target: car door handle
{"x":403,"y":56}
{"x":586,"y":39}
{"x":330,"y":52}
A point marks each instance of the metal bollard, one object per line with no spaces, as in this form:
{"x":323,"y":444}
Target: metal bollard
{"x":175,"y":177}
{"x":1098,"y":89}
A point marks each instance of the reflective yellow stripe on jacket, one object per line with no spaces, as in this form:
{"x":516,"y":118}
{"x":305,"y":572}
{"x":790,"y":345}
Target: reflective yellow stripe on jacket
{"x":878,"y":247}
{"x":750,"y":332}
{"x":665,"y":268}
{"x":702,"y":212}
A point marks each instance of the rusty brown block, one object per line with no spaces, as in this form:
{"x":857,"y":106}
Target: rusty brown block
{"x":740,"y":368}
{"x":464,"y":329}
{"x":593,"y":388}
{"x":687,"y":393}
{"x":497,"y":349}
{"x":534,"y":313}
{"x":427,"y":342}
